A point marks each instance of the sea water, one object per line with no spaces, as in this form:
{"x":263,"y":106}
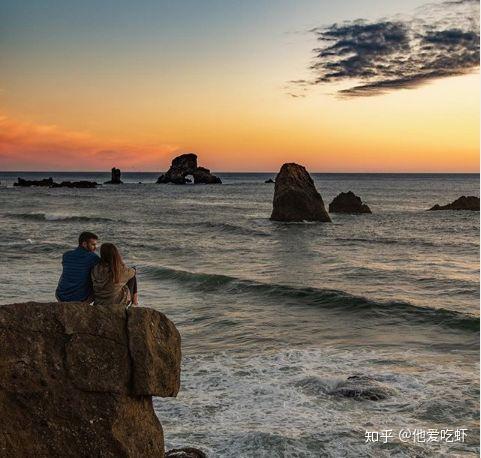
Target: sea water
{"x":274,"y":316}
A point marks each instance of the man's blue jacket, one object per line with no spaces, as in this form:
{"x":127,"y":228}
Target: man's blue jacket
{"x":75,"y":283}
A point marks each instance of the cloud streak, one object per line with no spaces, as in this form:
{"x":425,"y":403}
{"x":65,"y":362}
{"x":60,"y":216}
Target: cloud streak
{"x":441,"y":40}
{"x":31,"y":146}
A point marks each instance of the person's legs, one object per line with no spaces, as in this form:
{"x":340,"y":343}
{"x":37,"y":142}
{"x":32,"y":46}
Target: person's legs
{"x":132,"y":285}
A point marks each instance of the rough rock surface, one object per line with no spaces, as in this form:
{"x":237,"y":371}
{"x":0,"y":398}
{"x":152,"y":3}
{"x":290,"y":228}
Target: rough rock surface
{"x":186,"y":164}
{"x":462,"y":203}
{"x":296,"y":197}
{"x":115,"y":177}
{"x":348,"y":202}
{"x":76,"y":380}
{"x":363,"y":387}
{"x":48,"y":182}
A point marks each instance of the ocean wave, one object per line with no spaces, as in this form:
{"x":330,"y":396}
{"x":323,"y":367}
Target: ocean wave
{"x":59,"y":217}
{"x":316,"y":296}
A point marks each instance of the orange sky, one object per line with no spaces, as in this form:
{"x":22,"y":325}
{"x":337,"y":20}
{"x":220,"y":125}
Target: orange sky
{"x":95,"y":109}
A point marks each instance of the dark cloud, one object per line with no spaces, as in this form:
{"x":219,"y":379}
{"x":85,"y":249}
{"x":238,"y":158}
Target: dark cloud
{"x":393,"y":54}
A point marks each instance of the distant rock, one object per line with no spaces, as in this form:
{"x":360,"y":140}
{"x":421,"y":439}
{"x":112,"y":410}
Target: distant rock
{"x":270,"y":180}
{"x":463,"y":203}
{"x":296,"y":197}
{"x":48,"y":182}
{"x":78,"y":380}
{"x":203,"y":176}
{"x":186,"y":164}
{"x":115,"y":177}
{"x":188,"y":452}
{"x":75,"y":184}
{"x":363,"y":387}
{"x":348,"y":202}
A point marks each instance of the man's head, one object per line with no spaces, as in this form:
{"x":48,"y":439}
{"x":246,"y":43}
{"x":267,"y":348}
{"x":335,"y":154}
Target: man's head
{"x":88,"y":240}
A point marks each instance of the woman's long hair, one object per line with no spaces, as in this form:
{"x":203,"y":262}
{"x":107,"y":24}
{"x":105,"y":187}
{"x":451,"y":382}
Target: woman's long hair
{"x":110,"y":256}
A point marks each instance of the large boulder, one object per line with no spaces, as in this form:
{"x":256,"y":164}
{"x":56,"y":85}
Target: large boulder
{"x":348,"y":202}
{"x":186,"y":164}
{"x":77,"y":380}
{"x":115,"y":177}
{"x":462,"y":203}
{"x":296,"y":197}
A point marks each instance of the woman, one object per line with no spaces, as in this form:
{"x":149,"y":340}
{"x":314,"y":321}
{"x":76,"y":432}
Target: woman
{"x":113,"y":282}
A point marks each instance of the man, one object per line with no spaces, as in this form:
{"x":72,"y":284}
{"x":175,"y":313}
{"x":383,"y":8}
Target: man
{"x":75,"y":284}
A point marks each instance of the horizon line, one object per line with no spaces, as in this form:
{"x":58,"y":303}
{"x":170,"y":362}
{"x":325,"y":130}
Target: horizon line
{"x":249,"y":171}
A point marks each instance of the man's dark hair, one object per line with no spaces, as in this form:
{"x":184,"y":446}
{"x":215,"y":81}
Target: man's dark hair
{"x":86,"y":236}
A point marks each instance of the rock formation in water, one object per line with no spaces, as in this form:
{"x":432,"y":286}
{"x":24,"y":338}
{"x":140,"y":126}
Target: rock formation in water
{"x":462,"y":203}
{"x":77,"y":380}
{"x":115,"y":177}
{"x":363,"y":387}
{"x":296,"y":197}
{"x":48,"y":182}
{"x":348,"y":202}
{"x":187,"y":452}
{"x":270,"y":180}
{"x":186,"y":164}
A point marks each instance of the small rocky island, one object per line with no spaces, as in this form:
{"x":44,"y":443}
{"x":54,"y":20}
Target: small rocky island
{"x":296,"y":198}
{"x":49,"y":183}
{"x":462,"y":203}
{"x":78,"y":380}
{"x":184,"y":165}
{"x":115,"y":177}
{"x":348,"y":202}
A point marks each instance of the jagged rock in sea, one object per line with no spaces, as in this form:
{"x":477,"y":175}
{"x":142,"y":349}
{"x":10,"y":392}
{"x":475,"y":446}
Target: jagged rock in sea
{"x":462,"y":203}
{"x":363,"y":387}
{"x":188,"y":452}
{"x":115,"y":177}
{"x":75,"y":184}
{"x":348,"y":202}
{"x":270,"y":180}
{"x":296,"y":197}
{"x":203,"y":176}
{"x":186,"y":164}
{"x":48,"y":182}
{"x":77,"y":380}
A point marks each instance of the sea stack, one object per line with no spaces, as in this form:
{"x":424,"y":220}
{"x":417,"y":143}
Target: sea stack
{"x":296,"y":198}
{"x":462,"y":203}
{"x":78,"y":380}
{"x":186,"y":164}
{"x":348,"y":202}
{"x":115,"y":178}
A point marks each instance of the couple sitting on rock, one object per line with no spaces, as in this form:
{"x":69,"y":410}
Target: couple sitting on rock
{"x":105,"y":280}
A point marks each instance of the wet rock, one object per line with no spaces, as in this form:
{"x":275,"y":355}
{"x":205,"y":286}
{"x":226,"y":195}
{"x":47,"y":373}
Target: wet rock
{"x":48,"y":182}
{"x":186,"y":164}
{"x":363,"y":387}
{"x":296,"y":197}
{"x":462,"y":203}
{"x":75,"y":184}
{"x":78,"y":380}
{"x":115,"y":177}
{"x":203,"y":176}
{"x":188,"y":452}
{"x":348,"y":202}
{"x":270,"y":180}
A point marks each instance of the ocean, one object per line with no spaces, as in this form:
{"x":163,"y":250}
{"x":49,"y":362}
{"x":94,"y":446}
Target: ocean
{"x":275,"y":316}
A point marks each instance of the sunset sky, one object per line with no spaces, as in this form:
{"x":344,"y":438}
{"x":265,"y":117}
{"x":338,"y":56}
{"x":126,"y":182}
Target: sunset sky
{"x":353,"y":85}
